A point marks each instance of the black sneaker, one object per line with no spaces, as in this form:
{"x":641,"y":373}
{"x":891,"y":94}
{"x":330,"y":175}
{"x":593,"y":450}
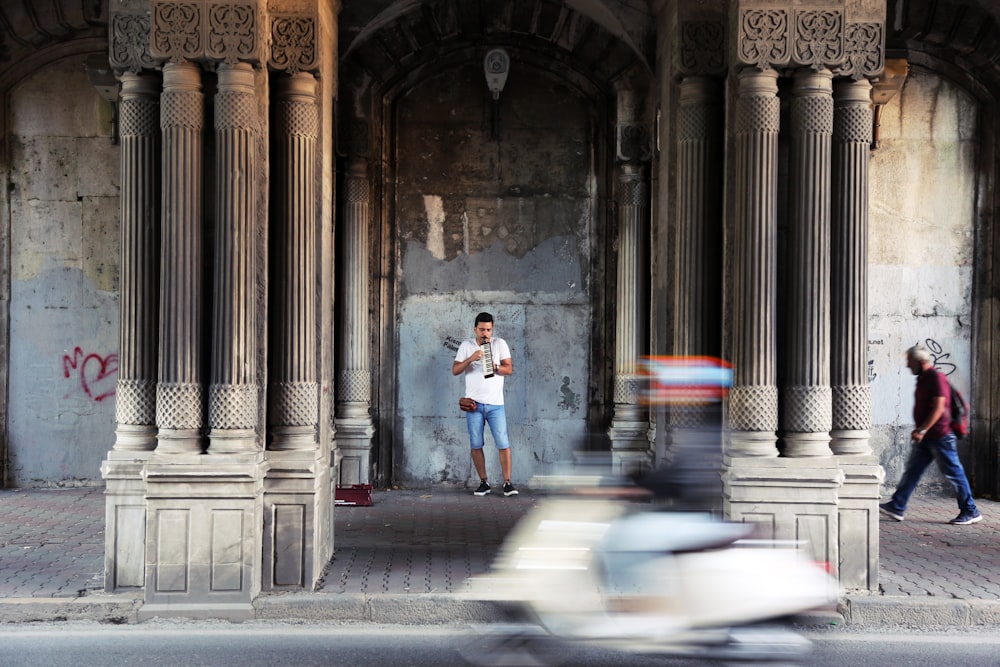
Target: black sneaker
{"x":484,"y":488}
{"x":890,"y":511}
{"x":508,"y":489}
{"x":965,"y":518}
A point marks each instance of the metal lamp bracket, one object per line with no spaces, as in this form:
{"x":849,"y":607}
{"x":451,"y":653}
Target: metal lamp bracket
{"x":496,"y":65}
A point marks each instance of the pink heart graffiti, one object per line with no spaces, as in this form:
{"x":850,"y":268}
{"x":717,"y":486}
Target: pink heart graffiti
{"x":94,"y":372}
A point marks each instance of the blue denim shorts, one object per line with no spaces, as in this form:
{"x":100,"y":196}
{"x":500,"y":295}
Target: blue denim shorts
{"x":496,"y":417}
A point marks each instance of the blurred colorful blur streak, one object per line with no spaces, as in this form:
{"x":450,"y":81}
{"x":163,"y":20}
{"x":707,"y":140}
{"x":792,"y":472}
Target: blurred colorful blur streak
{"x":687,"y":380}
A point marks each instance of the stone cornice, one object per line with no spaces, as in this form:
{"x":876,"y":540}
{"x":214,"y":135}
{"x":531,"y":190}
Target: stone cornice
{"x":838,"y":36}
{"x":146,"y":33}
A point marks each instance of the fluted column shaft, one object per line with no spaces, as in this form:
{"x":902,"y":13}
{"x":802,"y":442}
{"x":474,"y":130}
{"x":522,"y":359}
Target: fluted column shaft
{"x":232,"y":400}
{"x":179,"y":394}
{"x":697,"y":259}
{"x":135,"y":398}
{"x":753,"y":401}
{"x":631,"y":197}
{"x":355,"y":387}
{"x":293,"y":394}
{"x":852,"y":137}
{"x":807,"y":396}
{"x":698,"y":247}
{"x":354,"y":423}
{"x":630,"y":423}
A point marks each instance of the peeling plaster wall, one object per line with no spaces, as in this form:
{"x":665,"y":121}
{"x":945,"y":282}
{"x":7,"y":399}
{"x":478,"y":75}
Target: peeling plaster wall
{"x":502,"y":221}
{"x":63,"y":199}
{"x":921,"y":255}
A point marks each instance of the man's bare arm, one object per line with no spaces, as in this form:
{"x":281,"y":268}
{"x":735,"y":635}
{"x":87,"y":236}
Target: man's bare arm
{"x":459,"y":367}
{"x":506,"y":367}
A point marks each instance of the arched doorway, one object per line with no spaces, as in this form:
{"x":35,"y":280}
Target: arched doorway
{"x":503,"y":205}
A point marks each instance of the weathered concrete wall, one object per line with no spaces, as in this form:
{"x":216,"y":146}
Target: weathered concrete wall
{"x":63,"y":199}
{"x":500,"y":221}
{"x":921,"y":254}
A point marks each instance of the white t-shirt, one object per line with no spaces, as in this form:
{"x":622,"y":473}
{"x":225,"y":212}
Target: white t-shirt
{"x":477,"y":387}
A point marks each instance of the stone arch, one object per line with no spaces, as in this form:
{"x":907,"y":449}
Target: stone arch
{"x":410,"y":43}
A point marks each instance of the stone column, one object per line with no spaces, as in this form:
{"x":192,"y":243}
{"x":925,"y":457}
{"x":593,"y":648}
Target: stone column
{"x":629,"y":430}
{"x":233,"y":404}
{"x":135,"y":400}
{"x":180,"y":392}
{"x":298,"y":484}
{"x":852,"y":136}
{"x":698,"y":248}
{"x":753,"y":401}
{"x":694,"y":437}
{"x":293,"y":497}
{"x":792,"y":497}
{"x":859,"y":497}
{"x":807,"y":413}
{"x":355,"y":426}
{"x":293,"y":390}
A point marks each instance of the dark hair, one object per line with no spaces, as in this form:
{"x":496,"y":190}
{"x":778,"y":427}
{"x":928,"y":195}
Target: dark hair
{"x":483,"y":317}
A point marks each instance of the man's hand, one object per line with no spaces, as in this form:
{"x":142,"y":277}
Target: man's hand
{"x":467,"y":404}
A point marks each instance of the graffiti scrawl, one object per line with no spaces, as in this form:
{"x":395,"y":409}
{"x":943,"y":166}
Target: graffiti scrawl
{"x":97,"y":374}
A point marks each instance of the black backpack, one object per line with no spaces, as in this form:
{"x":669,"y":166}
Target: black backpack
{"x":959,"y":413}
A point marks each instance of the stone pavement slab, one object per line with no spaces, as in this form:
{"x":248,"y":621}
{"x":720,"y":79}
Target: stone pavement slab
{"x":404,"y":558}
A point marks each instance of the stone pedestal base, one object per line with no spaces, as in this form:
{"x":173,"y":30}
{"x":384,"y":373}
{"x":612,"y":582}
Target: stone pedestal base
{"x":354,"y":442}
{"x":124,"y":521}
{"x":791,"y":499}
{"x":630,"y":440}
{"x":859,"y":543}
{"x":298,"y":507}
{"x":203,"y":535}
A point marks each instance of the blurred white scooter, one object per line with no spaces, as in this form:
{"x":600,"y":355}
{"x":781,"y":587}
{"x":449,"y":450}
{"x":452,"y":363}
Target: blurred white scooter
{"x":623,"y":576}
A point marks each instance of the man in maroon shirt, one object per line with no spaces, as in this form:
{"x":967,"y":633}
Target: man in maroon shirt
{"x":932,"y":439}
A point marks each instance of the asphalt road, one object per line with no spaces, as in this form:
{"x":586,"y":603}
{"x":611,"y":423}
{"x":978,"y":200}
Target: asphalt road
{"x":189,"y":644}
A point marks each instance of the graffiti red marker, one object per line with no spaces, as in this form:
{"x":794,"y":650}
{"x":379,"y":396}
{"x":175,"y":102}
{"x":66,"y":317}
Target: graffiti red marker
{"x":96,"y":373}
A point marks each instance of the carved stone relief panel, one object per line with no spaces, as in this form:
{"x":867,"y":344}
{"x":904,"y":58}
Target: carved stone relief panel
{"x":702,"y":48}
{"x":764,"y":37}
{"x":864,"y":50}
{"x":846,"y":37}
{"x":178,"y":30}
{"x":293,"y":31}
{"x":128,"y":40}
{"x":233,"y":31}
{"x":819,"y":37}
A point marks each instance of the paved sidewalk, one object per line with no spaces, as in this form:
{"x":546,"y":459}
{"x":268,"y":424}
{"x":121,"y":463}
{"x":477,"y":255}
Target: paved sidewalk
{"x":404,"y":558}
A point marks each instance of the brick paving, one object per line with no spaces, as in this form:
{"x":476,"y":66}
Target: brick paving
{"x":430,"y":541}
{"x":51,"y":542}
{"x":925,"y":556}
{"x":419,"y":541}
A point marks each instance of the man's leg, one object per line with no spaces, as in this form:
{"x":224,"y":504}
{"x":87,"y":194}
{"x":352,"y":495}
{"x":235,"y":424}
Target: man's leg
{"x":496,"y":417}
{"x":951,"y":467}
{"x":475,"y":421}
{"x":504,"y":463}
{"x":479,"y":461}
{"x":916,"y":464}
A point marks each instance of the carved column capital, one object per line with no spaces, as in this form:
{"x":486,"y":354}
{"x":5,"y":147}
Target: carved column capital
{"x":846,"y":36}
{"x":293,"y":29}
{"x":818,"y":36}
{"x":864,"y":50}
{"x":177,"y":32}
{"x":763,"y":36}
{"x":234,"y":31}
{"x":701,"y":49}
{"x":128,"y":37}
{"x":633,"y":136}
{"x":227,"y":31}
